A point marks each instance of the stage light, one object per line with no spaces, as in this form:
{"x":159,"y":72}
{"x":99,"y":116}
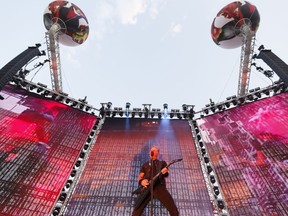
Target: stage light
{"x":250,"y":97}
{"x":74,"y":104}
{"x":212,"y":179}
{"x":165,"y":106}
{"x":216,"y":190}
{"x":206,"y":111}
{"x":171,"y":115}
{"x":206,"y":159}
{"x":62,"y":196}
{"x":219,"y":107}
{"x":227,"y":104}
{"x":67,"y":100}
{"x":241,"y":100}
{"x":266,"y":92}
{"x":184,"y":107}
{"x":81,"y":106}
{"x":203,"y":151}
{"x":209,"y":169}
{"x":78,"y":163}
{"x":31,"y":87}
{"x":133,"y":114}
{"x":82,"y":155}
{"x":68,"y":184}
{"x":258,"y":94}
{"x":152,"y":115}
{"x":213,"y":109}
{"x":199,"y":137}
{"x":128,"y":105}
{"x":201,"y":144}
{"x":39,"y":89}
{"x":114,"y":112}
{"x":56,"y":211}
{"x":220,"y":204}
{"x":108,"y":113}
{"x":140,"y":114}
{"x":109,"y":105}
{"x":86,"y":147}
{"x":146,"y":112}
{"x":179,"y":116}
{"x":45,"y":93}
{"x":88,"y":139}
{"x":73,"y":173}
{"x":191,"y":113}
{"x":159,"y":115}
{"x":234,"y":102}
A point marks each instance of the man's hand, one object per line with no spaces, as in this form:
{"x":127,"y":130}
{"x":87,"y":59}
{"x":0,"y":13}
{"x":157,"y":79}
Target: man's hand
{"x":164,"y":170}
{"x":144,"y":183}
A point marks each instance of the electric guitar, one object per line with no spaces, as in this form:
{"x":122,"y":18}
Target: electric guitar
{"x":144,"y":191}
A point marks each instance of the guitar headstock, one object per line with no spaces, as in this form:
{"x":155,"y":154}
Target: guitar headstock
{"x":174,"y":161}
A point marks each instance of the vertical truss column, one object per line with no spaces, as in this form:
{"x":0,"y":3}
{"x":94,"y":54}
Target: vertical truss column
{"x":214,"y":190}
{"x":60,"y":206}
{"x":54,"y":57}
{"x":246,"y":59}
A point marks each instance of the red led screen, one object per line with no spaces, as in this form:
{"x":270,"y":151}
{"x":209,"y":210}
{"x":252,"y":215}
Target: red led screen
{"x":40,"y":140}
{"x":113,"y":166}
{"x":248,"y":146}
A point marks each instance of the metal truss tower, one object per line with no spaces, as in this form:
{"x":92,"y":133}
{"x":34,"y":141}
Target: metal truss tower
{"x":54,"y":57}
{"x":246,"y":58}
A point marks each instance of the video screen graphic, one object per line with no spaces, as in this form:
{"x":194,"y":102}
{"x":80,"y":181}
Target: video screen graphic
{"x":114,"y":164}
{"x":248,"y":147}
{"x":40,"y":140}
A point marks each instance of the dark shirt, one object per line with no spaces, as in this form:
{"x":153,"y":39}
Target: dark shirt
{"x":157,"y":167}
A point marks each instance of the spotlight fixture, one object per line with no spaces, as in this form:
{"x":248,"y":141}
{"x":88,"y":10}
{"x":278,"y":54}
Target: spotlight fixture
{"x":165,"y":106}
{"x":109,"y":104}
{"x":220,"y":204}
{"x":203,"y":151}
{"x":184,"y":107}
{"x":128,"y":105}
{"x":216,"y":190}
{"x":209,"y":169}
{"x":201,"y":143}
{"x":206,"y":159}
{"x":39,"y":89}
{"x":212,"y":179}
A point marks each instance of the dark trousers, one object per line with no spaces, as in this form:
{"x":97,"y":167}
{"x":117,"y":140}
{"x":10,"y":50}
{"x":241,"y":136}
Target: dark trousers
{"x":162,"y":194}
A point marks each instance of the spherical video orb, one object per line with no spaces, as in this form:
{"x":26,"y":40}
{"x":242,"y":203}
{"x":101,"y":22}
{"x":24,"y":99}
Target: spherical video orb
{"x":226,"y":26}
{"x":74,"y":28}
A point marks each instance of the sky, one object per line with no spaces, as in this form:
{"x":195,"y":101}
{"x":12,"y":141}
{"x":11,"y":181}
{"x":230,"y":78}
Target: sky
{"x":145,"y":51}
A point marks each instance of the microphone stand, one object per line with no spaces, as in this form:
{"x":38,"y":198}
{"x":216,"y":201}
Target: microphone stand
{"x":151,"y":186}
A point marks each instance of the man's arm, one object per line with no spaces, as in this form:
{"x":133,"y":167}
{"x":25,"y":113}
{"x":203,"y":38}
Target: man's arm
{"x":142,"y":181}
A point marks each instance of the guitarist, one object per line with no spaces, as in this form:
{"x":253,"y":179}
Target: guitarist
{"x":159,"y":190}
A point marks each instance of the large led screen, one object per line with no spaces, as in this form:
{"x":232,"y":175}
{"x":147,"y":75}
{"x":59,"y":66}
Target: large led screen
{"x":248,"y":146}
{"x":114,"y":163}
{"x":40,"y":140}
